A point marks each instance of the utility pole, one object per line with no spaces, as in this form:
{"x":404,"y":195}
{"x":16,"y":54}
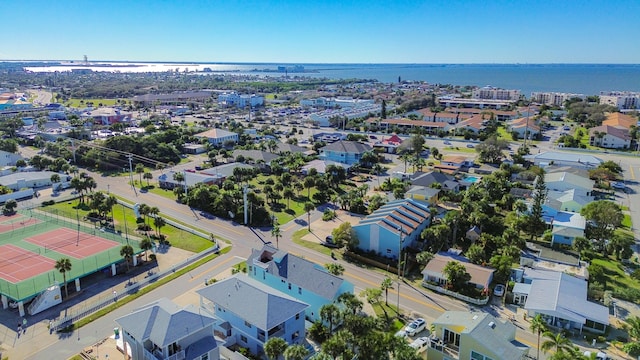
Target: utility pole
{"x":245,"y":191}
{"x":130,"y":157}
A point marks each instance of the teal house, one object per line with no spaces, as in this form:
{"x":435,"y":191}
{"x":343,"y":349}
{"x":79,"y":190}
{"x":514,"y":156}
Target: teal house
{"x":345,"y":152}
{"x":296,"y":277}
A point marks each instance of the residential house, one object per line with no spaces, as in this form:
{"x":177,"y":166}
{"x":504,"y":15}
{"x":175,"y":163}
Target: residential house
{"x":423,"y":193}
{"x":610,"y":137}
{"x":563,"y":181}
{"x":565,"y":226}
{"x":524,"y":125}
{"x":447,"y":182}
{"x":249,"y":313}
{"x":255,"y":156}
{"x":560,"y":298}
{"x":458,"y":161}
{"x":395,"y":225}
{"x":8,"y":159}
{"x":321,"y":166}
{"x":620,"y":120}
{"x":473,"y":234}
{"x":224,"y":171}
{"x":577,"y":160}
{"x":301,"y":279}
{"x":167,"y":180}
{"x":218,"y":137}
{"x":346,"y":152}
{"x":388,"y":145}
{"x":474,"y":124}
{"x":567,"y":200}
{"x":474,"y":335}
{"x":433,"y":272}
{"x":163,"y":330}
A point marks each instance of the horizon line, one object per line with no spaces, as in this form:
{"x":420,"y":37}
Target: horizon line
{"x":80,"y":62}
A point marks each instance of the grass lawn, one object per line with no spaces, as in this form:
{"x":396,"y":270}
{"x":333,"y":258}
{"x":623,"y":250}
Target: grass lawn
{"x":617,"y":279}
{"x":125,"y":221}
{"x":297,"y":239}
{"x":504,"y":134}
{"x":76,"y":102}
{"x":162,"y":192}
{"x":388,"y":312}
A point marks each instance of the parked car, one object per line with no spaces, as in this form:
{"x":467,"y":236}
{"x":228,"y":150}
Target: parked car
{"x":207,"y":215}
{"x":470,"y":146}
{"x":415,"y":327}
{"x":498,"y":290}
{"x":420,"y":343}
{"x":618,"y":185}
{"x":328,"y":242}
{"x":447,"y":142}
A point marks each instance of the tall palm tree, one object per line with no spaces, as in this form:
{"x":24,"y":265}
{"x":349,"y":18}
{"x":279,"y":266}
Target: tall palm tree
{"x":148,"y":176}
{"x":146,"y":245}
{"x":538,"y":326}
{"x":159,"y":222}
{"x":126,"y":252}
{"x":330,"y":313}
{"x":139,"y":170}
{"x":276,"y":233}
{"x":386,"y":284}
{"x":64,"y":266}
{"x":558,"y":342}
{"x":308,"y":208}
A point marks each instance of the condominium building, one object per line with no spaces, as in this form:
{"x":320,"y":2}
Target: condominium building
{"x":491,"y":93}
{"x":240,"y":101}
{"x":553,"y":98}
{"x":623,"y":100}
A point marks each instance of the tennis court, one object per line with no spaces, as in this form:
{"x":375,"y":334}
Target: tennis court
{"x":28,"y":253}
{"x":18,"y":264}
{"x":72,"y":243}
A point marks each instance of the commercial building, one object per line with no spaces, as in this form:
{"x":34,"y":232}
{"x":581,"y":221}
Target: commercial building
{"x":233,"y":99}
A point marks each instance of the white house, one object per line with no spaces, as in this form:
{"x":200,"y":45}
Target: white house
{"x":564,"y":181}
{"x":218,"y":136}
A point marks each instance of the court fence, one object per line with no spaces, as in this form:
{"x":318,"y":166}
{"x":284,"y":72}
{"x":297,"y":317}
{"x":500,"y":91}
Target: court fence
{"x":132,"y":287}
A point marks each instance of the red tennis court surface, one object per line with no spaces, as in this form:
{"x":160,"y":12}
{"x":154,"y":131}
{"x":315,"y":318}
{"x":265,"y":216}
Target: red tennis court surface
{"x":18,"y":264}
{"x":15,"y":222}
{"x":66,"y":241}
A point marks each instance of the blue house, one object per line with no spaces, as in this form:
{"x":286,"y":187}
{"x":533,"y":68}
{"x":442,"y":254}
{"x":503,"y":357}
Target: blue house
{"x":296,"y":277}
{"x":565,"y":226}
{"x":397,"y":222}
{"x":250,"y":313}
{"x":163,"y":330}
{"x":346,"y":152}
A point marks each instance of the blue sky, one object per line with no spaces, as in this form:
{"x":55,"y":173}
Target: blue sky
{"x":346,"y":31}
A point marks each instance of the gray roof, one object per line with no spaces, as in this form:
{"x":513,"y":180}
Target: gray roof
{"x":252,"y":301}
{"x":352,"y":147}
{"x":256,"y":155}
{"x":28,"y":176}
{"x":298,"y":271}
{"x":499,"y":338}
{"x":163,"y":322}
{"x":562,"y":295}
{"x":549,"y":156}
{"x":225,"y":170}
{"x":426,"y":179}
{"x":284,"y":147}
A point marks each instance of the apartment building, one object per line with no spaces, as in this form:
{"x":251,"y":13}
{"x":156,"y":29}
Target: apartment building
{"x":492,"y":93}
{"x":553,"y":98}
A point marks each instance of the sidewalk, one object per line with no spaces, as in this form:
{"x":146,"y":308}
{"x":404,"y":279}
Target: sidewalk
{"x":37,"y":334}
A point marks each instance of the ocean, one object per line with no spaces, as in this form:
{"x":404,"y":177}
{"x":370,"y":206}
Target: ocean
{"x":587,"y":79}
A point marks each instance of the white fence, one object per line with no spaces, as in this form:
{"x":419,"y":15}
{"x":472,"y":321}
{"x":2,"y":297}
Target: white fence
{"x":455,"y":294}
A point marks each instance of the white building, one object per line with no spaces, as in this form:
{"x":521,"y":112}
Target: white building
{"x":8,"y":159}
{"x":324,"y":102}
{"x":623,"y":100}
{"x":491,"y":93}
{"x":240,"y":101}
{"x":553,"y":98}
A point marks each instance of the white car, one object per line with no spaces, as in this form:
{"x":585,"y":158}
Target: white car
{"x":498,"y":290}
{"x":420,"y":343}
{"x":618,"y":185}
{"x":415,"y":327}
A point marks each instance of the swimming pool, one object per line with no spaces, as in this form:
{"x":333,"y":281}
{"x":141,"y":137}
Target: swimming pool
{"x":472,"y":179}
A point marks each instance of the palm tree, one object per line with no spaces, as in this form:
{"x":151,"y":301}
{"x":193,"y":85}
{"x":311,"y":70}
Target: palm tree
{"x":55,"y":178}
{"x":276,"y":233}
{"x":288,"y":194}
{"x":350,"y":302}
{"x":148,"y":176}
{"x":274,"y":347}
{"x":538,"y":325}
{"x":296,"y":352}
{"x":109,"y":202}
{"x":64,"y":266}
{"x":139,"y":170}
{"x":378,"y":169}
{"x":330,"y":313}
{"x":334,"y":269}
{"x":126,"y":252}
{"x":308,"y":183}
{"x":146,"y":245}
{"x":386,"y":284}
{"x":308,"y":208}
{"x":558,"y":342}
{"x":159,"y":222}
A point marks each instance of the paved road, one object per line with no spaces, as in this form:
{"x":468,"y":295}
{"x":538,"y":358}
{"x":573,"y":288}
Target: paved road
{"x":412,"y":300}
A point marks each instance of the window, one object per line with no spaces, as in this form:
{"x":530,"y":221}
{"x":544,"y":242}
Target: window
{"x":243,"y":339}
{"x":204,"y":357}
{"x":297,"y":316}
{"x":299,"y":290}
{"x":247,"y":324}
{"x":478,"y":356}
{"x":295,"y":335}
{"x":289,"y":286}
